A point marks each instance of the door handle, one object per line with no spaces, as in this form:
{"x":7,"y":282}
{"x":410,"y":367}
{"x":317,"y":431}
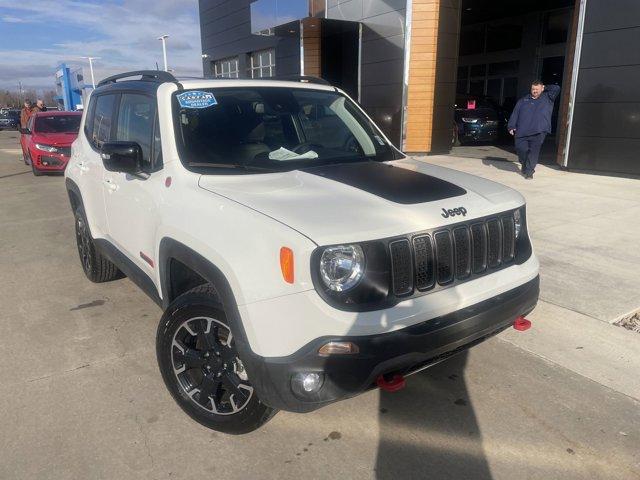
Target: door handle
{"x":110,"y":185}
{"x":82,"y":167}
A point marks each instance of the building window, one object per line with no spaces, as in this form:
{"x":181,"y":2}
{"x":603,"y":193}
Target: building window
{"x":496,"y":80}
{"x":226,"y":68}
{"x":263,"y":64}
{"x":472,"y":39}
{"x":556,"y":26}
{"x":504,"y":37}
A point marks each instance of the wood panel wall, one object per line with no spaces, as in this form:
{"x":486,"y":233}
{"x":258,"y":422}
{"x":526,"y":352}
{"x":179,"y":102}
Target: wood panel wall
{"x":563,"y":115}
{"x":422,"y":76}
{"x":311,"y":43}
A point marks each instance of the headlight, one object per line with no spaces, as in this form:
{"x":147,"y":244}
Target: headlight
{"x":46,"y":148}
{"x":470,"y":120}
{"x":517,"y":217}
{"x":342,"y":267}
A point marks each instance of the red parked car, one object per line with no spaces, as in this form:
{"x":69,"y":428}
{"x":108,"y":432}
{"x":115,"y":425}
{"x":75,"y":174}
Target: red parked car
{"x":46,"y":142}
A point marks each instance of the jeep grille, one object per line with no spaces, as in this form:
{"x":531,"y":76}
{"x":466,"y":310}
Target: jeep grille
{"x":451,"y":255}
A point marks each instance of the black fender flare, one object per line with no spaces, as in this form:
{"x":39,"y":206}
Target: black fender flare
{"x":72,"y":187}
{"x":171,"y":249}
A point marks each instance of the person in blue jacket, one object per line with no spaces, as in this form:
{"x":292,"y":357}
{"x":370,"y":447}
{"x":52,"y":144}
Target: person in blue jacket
{"x":530,"y":123}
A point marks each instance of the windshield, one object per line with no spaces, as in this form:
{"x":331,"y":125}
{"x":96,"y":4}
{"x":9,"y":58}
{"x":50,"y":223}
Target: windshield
{"x":275,"y":129}
{"x":57,"y":124}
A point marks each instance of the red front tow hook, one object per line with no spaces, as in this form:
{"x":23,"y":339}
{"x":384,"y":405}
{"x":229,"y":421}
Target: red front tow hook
{"x":396,"y":383}
{"x":521,"y":324}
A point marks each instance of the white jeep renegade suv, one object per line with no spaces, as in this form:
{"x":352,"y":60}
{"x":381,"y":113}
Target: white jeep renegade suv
{"x":298,"y":256}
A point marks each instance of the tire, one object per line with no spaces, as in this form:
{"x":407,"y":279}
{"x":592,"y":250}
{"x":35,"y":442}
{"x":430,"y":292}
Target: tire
{"x":195,"y":355}
{"x":95,"y":265}
{"x":36,"y":172}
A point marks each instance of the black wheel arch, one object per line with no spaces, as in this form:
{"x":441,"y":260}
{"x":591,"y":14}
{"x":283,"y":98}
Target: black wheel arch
{"x":73,"y":191}
{"x":172,"y":251}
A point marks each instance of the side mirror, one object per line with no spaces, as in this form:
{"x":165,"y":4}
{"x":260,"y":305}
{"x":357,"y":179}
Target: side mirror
{"x":25,"y":131}
{"x":125,"y":157}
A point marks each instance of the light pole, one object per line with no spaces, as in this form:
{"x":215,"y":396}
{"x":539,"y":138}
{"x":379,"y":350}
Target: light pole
{"x":91,"y":59}
{"x":164,"y":50}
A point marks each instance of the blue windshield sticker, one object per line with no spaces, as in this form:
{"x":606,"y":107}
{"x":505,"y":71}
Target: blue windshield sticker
{"x":196,"y":99}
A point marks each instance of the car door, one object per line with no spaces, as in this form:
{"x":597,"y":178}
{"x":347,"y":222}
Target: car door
{"x":131,"y":200}
{"x":98,"y":130}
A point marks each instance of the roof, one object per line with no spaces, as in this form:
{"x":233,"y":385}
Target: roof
{"x":248,"y":82}
{"x":150,"y":80}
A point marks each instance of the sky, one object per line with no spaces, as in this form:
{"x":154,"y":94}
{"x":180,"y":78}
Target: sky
{"x":37,"y":35}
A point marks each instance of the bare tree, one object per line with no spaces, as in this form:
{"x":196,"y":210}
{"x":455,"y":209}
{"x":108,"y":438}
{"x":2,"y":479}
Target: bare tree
{"x":49,"y":97}
{"x":13,"y":99}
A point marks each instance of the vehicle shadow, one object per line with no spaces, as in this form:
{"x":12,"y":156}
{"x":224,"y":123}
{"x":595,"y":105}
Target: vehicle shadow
{"x":429,"y":429}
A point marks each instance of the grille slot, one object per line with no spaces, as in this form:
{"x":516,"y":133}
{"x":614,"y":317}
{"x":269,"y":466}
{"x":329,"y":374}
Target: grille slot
{"x":401,"y":267}
{"x":462,"y":245}
{"x":66,"y":151}
{"x":434,"y":260}
{"x":494,"y":250}
{"x":479,"y":246}
{"x":444,"y":257}
{"x":508,"y":239}
{"x":423,"y":250}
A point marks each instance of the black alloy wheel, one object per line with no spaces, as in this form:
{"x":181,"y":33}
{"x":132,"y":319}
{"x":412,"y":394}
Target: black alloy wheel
{"x":85,"y":243}
{"x":207,"y":367}
{"x":201,"y":366}
{"x":96,"y":266}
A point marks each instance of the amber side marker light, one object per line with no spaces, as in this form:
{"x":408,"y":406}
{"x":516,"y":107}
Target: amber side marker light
{"x":286,"y":264}
{"x":338,"y":348}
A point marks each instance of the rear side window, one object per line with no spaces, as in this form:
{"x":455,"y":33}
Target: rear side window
{"x":157,"y":146}
{"x":102,"y":120}
{"x":135,"y":123}
{"x":88,"y":122}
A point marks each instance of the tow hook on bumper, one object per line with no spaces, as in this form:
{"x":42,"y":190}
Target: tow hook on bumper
{"x":521,"y":324}
{"x":395,"y":384}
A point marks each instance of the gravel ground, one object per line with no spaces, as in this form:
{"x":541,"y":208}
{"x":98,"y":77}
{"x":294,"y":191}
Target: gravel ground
{"x":630,"y":322}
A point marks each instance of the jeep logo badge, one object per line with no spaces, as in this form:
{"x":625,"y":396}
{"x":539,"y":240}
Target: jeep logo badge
{"x":452,"y":212}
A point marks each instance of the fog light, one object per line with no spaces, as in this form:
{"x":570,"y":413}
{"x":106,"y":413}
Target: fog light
{"x":308,"y":382}
{"x":338,"y":348}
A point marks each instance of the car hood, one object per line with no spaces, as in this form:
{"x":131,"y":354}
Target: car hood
{"x":56,"y":139}
{"x":365,"y":201}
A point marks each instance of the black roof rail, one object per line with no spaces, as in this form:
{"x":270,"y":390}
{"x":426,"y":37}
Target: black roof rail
{"x":302,"y":79}
{"x":159,"y":76}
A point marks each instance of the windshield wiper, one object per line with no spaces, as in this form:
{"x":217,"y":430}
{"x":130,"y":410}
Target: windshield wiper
{"x":231,"y":166}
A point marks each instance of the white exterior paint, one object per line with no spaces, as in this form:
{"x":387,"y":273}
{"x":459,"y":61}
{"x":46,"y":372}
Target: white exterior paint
{"x":240,"y":222}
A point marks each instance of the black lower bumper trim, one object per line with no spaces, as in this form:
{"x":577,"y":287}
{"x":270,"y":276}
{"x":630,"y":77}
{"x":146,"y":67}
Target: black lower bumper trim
{"x":401,"y":351}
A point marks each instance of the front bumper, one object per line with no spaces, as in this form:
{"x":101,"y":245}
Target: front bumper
{"x":49,"y":162}
{"x":479,"y":133}
{"x":400,"y":351}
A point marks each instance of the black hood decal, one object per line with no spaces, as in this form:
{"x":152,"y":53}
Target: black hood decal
{"x":389,"y":182}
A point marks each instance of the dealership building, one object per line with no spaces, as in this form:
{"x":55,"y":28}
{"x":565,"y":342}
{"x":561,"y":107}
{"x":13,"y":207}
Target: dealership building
{"x":406,"y":61}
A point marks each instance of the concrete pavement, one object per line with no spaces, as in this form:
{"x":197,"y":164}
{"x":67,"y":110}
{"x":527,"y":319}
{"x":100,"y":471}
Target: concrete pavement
{"x":81,"y":395}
